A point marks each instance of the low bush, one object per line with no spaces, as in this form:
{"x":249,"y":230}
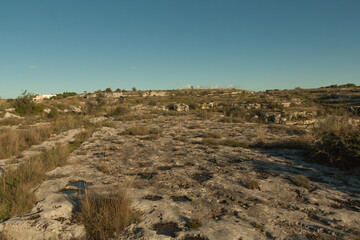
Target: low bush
{"x":119,"y":110}
{"x":337,"y":143}
{"x":24,"y":105}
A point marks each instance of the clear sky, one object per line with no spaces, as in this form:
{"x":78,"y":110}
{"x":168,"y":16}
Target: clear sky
{"x":49,"y":46}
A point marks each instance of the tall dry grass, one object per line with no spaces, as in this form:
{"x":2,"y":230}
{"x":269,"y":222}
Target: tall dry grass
{"x":105,"y":216}
{"x":16,"y":196}
{"x":14,"y":140}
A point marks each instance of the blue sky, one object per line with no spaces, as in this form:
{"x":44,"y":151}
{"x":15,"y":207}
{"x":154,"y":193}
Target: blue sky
{"x":49,"y":46}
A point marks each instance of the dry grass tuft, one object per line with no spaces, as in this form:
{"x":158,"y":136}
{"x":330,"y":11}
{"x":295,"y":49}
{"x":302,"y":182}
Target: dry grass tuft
{"x":210,"y":142}
{"x":11,"y":121}
{"x":141,"y":130}
{"x":104,"y":216}
{"x":212,"y":135}
{"x":230,"y":142}
{"x":252,"y":184}
{"x":301,"y":181}
{"x":194,"y":223}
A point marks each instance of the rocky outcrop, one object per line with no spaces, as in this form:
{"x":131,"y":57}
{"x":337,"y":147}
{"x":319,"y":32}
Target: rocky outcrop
{"x":181,"y":107}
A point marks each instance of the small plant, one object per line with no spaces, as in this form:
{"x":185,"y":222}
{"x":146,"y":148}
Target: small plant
{"x":119,"y":110}
{"x":213,"y":135}
{"x":194,"y":223}
{"x":230,"y":142}
{"x":104,"y":216}
{"x":259,"y":227}
{"x":53,"y":113}
{"x":210,"y":142}
{"x":252,"y":184}
{"x":141,"y":130}
{"x":301,"y":181}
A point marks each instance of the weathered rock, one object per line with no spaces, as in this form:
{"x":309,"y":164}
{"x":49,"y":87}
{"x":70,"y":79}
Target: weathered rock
{"x":181,"y":107}
{"x":176,"y":178}
{"x":11,"y":115}
{"x":75,"y":109}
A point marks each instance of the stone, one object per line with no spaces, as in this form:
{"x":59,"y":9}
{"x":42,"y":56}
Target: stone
{"x":11,"y":115}
{"x":181,"y":107}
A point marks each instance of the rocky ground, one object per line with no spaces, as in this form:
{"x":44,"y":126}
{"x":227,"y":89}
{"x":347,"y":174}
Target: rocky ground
{"x":185,"y":189}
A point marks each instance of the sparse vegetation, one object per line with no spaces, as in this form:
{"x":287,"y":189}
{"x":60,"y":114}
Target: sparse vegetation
{"x":190,"y":151}
{"x":230,"y":142}
{"x":252,"y":184}
{"x":338,"y":143}
{"x":301,"y":181}
{"x":16,"y":196}
{"x":13,"y":141}
{"x":24,"y":104}
{"x":105,"y":216}
{"x":194,"y":223}
{"x":119,"y":110}
{"x":141,"y":130}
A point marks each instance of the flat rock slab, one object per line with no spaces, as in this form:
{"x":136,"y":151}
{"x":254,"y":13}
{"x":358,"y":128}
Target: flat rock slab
{"x":175,"y":179}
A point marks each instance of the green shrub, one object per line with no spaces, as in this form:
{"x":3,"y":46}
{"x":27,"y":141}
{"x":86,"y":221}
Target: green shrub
{"x":24,"y":104}
{"x":53,"y":113}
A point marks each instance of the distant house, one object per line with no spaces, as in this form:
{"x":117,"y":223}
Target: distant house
{"x":41,"y":97}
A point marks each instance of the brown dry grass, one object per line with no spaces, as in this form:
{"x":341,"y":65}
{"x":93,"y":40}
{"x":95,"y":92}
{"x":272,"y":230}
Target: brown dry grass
{"x":16,"y":196}
{"x":252,"y":184}
{"x":104,"y":216}
{"x":301,"y":181}
{"x":14,"y":140}
{"x":141,"y":130}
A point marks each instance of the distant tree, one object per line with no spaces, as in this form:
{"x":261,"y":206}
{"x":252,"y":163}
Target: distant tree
{"x":134,"y":89}
{"x":118,"y":90}
{"x":108,"y":90}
